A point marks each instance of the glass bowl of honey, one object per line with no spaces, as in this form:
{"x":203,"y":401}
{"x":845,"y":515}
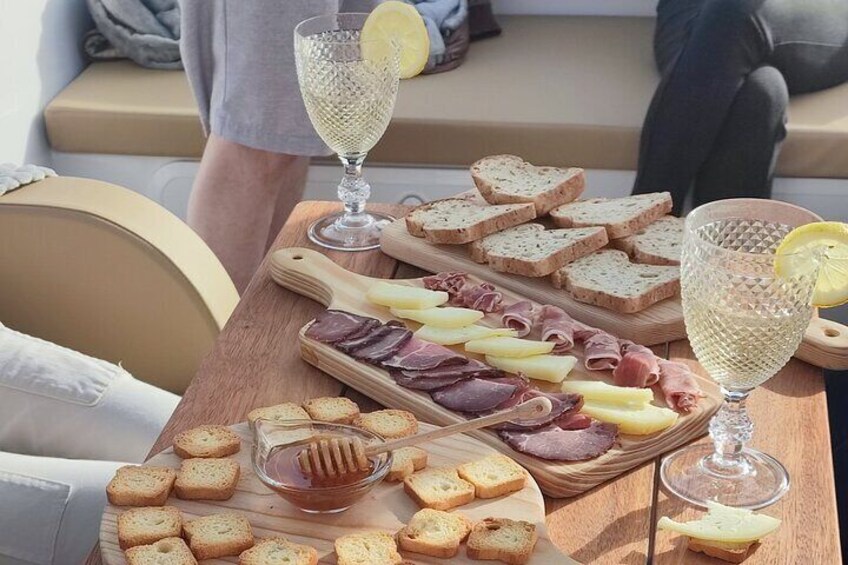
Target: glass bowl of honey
{"x":276,"y":445}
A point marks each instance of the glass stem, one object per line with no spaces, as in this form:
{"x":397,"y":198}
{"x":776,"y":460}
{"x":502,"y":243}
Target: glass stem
{"x":730,"y":429}
{"x":354,"y":193}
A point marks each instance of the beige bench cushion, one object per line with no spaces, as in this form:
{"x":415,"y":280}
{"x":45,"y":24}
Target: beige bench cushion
{"x":557,"y":90}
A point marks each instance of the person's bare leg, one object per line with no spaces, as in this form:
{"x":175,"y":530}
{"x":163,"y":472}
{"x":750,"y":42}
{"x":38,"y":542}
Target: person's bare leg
{"x":289,"y":194}
{"x":232,"y":203}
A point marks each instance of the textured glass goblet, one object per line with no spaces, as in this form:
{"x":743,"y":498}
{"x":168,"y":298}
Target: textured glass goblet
{"x":744,"y":323}
{"x":349,"y":87}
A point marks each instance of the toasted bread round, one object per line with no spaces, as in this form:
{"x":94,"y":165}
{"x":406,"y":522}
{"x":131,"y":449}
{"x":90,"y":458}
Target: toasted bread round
{"x":389,"y":424}
{"x":206,"y":441}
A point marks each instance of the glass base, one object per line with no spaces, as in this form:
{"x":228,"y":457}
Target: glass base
{"x":360,"y":235}
{"x":690,"y":474}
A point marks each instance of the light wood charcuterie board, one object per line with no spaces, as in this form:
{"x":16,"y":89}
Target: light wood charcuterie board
{"x":385,"y":508}
{"x":313,"y":275}
{"x":825,"y":342}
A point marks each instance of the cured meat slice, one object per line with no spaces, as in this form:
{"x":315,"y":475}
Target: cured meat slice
{"x":443,"y":376}
{"x":679,"y":386}
{"x":476,"y":395}
{"x":556,"y":444}
{"x":427,"y":383}
{"x":519,"y":317}
{"x":601,"y":351}
{"x":361,"y":339}
{"x":574,"y":421}
{"x":333,"y":326}
{"x":450,"y":282}
{"x":561,"y":403}
{"x":391,"y":340}
{"x":483,"y":297}
{"x":557,"y":326}
{"x":638,"y":366}
{"x":420,"y":355}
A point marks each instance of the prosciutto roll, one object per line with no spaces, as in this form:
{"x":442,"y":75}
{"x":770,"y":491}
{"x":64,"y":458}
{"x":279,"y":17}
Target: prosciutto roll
{"x":679,"y":386}
{"x":638,"y":366}
{"x":602,"y":351}
{"x":557,"y":326}
{"x":519,"y":317}
{"x":483,"y":297}
{"x":451,"y":283}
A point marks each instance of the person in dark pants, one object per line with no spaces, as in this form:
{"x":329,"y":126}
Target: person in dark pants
{"x":718,"y":117}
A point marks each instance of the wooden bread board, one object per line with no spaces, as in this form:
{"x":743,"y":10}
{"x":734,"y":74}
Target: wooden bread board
{"x":313,"y":275}
{"x":385,"y":508}
{"x":825,"y":343}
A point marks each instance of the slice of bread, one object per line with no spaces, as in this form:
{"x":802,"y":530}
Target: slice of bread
{"x":278,"y":413}
{"x":332,"y":409}
{"x":730,"y":552}
{"x":501,"y":539}
{"x":368,"y":548}
{"x":462,"y":220}
{"x":493,"y":476}
{"x":406,"y":461}
{"x":439,"y":488}
{"x":168,"y":551}
{"x":619,"y":216}
{"x":434,"y":532}
{"x":507,"y":179}
{"x":140,"y":486}
{"x":207,"y":479}
{"x":659,"y":243}
{"x":533,"y":251}
{"x":218,"y":535}
{"x":143,"y":526}
{"x":279,"y":551}
{"x":390,"y":424}
{"x":608,"y":279}
{"x":206,"y":441}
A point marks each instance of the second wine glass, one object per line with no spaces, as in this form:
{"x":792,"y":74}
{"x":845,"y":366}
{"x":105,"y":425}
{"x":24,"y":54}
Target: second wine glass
{"x":349,"y":87}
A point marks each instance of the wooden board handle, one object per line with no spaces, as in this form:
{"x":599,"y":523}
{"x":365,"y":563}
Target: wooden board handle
{"x":314,"y":275}
{"x":825,"y":345}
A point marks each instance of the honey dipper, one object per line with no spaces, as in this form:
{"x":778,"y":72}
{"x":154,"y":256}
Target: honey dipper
{"x":337,"y":456}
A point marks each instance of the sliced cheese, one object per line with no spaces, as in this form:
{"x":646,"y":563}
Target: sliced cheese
{"x":400,"y":296}
{"x":552,"y":368}
{"x":724,"y":524}
{"x":509,"y":347}
{"x":445,"y":317}
{"x":603,"y":392}
{"x":455,"y":336}
{"x":631,"y":419}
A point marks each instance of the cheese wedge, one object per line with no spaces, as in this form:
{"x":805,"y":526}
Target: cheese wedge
{"x":509,"y":347}
{"x":400,"y":296}
{"x":724,"y":524}
{"x":455,"y":336}
{"x":445,"y":317}
{"x":631,"y":419}
{"x":552,"y":368}
{"x":602,"y":392}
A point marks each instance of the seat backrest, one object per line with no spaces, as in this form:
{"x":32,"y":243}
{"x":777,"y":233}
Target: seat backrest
{"x":100,"y":269}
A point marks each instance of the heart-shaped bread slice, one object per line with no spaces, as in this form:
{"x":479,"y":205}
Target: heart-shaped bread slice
{"x":507,"y":179}
{"x":464,"y":219}
{"x":619,"y":216}
{"x":657,"y":244}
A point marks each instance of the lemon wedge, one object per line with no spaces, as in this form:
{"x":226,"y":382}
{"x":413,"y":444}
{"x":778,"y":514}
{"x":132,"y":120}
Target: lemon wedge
{"x":401,"y":23}
{"x":724,"y":524}
{"x":804,"y":246}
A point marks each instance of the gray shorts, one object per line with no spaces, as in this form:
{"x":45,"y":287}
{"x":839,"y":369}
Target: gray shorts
{"x":239,"y":58}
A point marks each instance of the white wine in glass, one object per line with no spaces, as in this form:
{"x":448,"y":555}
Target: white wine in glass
{"x":349,"y":86}
{"x":744,"y":322}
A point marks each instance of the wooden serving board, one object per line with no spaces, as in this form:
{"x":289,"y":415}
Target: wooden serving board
{"x":385,"y":508}
{"x":825,"y":342}
{"x":313,"y":275}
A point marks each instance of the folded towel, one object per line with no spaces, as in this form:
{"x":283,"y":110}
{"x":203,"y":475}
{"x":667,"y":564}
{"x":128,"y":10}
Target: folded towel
{"x":12,"y":176}
{"x":146,"y":31}
{"x":443,"y":18}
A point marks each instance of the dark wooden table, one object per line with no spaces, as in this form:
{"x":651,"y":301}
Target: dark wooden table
{"x":256,"y":362}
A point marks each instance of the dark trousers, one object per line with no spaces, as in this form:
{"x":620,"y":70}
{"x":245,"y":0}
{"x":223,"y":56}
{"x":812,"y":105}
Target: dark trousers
{"x":718,"y":117}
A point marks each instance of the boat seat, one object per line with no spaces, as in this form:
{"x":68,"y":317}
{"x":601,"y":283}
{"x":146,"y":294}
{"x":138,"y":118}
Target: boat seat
{"x":102,"y":270}
{"x":556,"y":90}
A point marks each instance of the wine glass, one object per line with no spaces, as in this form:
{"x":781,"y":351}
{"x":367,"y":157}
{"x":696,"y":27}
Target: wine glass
{"x":349,"y":86}
{"x":744,"y":323}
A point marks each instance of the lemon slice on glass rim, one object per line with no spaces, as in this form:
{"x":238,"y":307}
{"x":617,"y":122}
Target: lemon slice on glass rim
{"x":804,"y":246}
{"x":402,"y":24}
